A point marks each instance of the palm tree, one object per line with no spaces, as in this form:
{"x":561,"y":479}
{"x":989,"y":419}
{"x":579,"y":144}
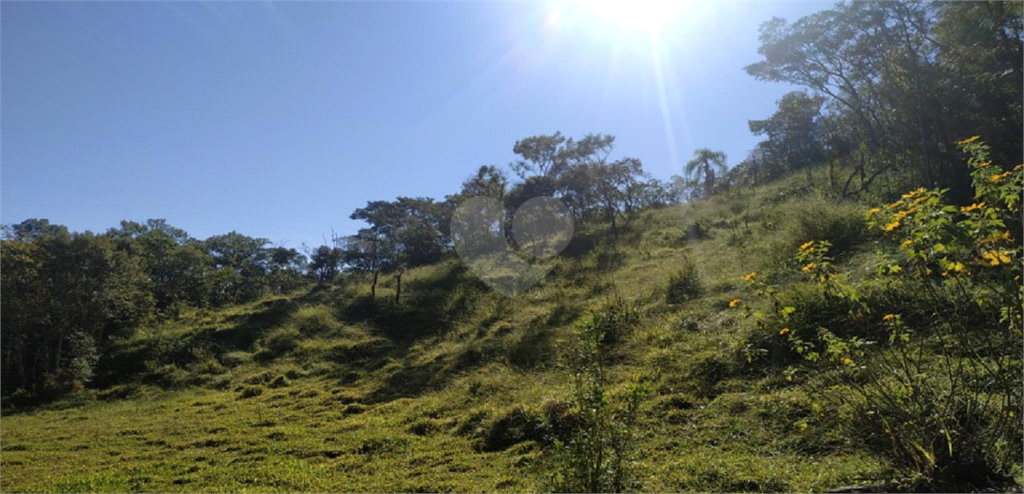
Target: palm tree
{"x":703,"y":166}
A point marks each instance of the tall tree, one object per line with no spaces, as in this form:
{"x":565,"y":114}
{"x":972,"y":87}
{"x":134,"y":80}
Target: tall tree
{"x":703,"y":168}
{"x":325,"y":262}
{"x":241,"y":263}
{"x":793,"y":133}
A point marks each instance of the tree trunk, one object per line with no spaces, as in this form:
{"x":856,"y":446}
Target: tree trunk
{"x":373,"y":287}
{"x":398,"y":287}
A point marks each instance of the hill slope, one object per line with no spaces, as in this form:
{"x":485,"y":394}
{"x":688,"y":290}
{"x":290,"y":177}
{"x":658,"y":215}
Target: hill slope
{"x":458,"y":388}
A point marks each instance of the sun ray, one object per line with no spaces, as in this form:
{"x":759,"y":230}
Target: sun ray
{"x":645,"y":15}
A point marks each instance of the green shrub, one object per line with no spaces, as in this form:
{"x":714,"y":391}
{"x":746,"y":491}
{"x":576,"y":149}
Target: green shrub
{"x":317,"y":320}
{"x":614,"y":320}
{"x":234,"y":359}
{"x":598,"y":455}
{"x":514,"y":427}
{"x":843,"y":226}
{"x":937,"y":382}
{"x":531,"y":348}
{"x":281,"y":341}
{"x":250,"y":392}
{"x":684,"y":284}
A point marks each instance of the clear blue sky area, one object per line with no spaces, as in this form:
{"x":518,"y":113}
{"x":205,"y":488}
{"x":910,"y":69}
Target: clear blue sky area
{"x":277,"y":120}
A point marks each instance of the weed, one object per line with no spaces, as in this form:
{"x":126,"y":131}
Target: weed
{"x":684,"y":284}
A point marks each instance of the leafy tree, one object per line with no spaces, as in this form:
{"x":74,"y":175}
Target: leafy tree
{"x":903,"y":80}
{"x":64,"y":298}
{"x":35,"y":229}
{"x":793,"y":132}
{"x":176,"y":267}
{"x":368,"y":252}
{"x":488,"y":181}
{"x":287,"y":267}
{"x":416,"y":229}
{"x":325,"y":262}
{"x":241,"y":264}
{"x":550,"y":156}
{"x":703,"y":166}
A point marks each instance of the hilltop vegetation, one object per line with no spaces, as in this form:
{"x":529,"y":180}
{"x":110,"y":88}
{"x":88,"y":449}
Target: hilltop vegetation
{"x":842,"y":307}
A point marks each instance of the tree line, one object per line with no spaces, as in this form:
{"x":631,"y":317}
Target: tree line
{"x":68,"y":297}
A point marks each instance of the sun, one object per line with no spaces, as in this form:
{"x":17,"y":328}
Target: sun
{"x":649,"y":16}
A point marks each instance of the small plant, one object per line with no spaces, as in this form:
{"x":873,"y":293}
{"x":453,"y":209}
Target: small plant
{"x":250,"y":392}
{"x":684,"y":284}
{"x":599,"y":454}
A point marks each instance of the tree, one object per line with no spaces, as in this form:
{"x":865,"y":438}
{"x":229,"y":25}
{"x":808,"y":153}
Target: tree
{"x":905,"y":80}
{"x":793,"y":132}
{"x":703,"y":166}
{"x":550,"y":156}
{"x":241,"y":264}
{"x":286,"y":269}
{"x":614,"y":185}
{"x":416,"y":228}
{"x":325,"y":262}
{"x":488,"y":181}
{"x":176,"y":267}
{"x":368,"y":252}
{"x":65,"y":297}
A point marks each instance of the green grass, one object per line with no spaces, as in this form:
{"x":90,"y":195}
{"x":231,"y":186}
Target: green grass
{"x":327,"y":390}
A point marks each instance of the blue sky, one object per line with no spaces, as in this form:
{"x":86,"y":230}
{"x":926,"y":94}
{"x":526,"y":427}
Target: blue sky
{"x":277,"y":120}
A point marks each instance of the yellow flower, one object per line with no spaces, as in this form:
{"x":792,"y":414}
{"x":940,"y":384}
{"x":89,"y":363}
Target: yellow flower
{"x":808,"y":267}
{"x":972,"y":207}
{"x":896,"y":204}
{"x":888,"y":317}
{"x":872,"y":212}
{"x":968,"y":141}
{"x":1018,"y":167}
{"x":904,"y":214}
{"x":997,"y":257}
{"x":734,"y":302}
{"x":908,"y":195}
{"x":783,"y":331}
{"x":846,"y":361}
{"x":748,"y":277}
{"x":907,"y":243}
{"x":999,"y":176}
{"x":892,"y":226}
{"x":807,"y":245}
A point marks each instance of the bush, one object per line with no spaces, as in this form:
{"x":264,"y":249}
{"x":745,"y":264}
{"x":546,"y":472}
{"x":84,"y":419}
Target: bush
{"x":940,"y":388}
{"x":281,"y":341}
{"x":843,"y":227}
{"x":250,"y":392}
{"x":598,"y":455}
{"x":316,"y":321}
{"x":684,"y":284}
{"x":234,"y":359}
{"x":516,"y":426}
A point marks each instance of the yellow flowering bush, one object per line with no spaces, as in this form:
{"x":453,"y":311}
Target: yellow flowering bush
{"x":944,"y":390}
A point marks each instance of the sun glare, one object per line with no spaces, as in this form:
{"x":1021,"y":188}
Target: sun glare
{"x":644,"y":15}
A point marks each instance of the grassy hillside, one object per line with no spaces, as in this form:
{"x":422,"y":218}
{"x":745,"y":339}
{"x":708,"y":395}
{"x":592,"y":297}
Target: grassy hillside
{"x":458,"y":388}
